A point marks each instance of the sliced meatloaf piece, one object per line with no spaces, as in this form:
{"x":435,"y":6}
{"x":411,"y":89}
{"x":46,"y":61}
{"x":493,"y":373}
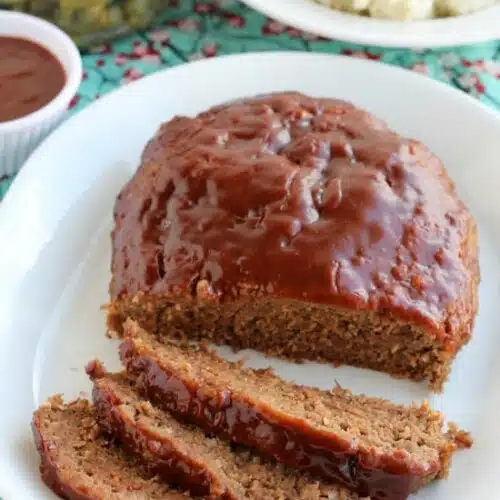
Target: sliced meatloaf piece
{"x":79,"y":463}
{"x":302,"y":228}
{"x":368,"y":445}
{"x":184,"y":455}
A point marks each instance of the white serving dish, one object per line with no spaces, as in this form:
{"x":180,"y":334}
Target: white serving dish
{"x":55,"y":254}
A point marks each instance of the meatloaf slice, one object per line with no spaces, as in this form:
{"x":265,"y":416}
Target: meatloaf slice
{"x":79,"y":463}
{"x":368,"y":445}
{"x":184,"y":455}
{"x":300,"y":227}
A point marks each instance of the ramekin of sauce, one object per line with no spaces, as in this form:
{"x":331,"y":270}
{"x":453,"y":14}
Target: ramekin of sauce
{"x":40,"y":72}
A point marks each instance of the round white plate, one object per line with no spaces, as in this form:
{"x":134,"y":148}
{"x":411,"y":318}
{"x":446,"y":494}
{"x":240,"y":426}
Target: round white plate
{"x":55,"y":246}
{"x":478,"y":27}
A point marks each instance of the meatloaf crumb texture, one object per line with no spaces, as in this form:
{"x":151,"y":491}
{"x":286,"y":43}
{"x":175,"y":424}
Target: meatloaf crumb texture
{"x":182,"y":453}
{"x":367,"y":444}
{"x":299,"y":227}
{"x":79,"y":463}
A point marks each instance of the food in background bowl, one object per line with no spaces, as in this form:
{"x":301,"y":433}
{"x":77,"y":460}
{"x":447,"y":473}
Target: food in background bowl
{"x":408,"y":9}
{"x":91,"y":21}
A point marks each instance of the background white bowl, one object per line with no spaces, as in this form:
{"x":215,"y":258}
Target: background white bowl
{"x":18,"y":138}
{"x":480,"y":26}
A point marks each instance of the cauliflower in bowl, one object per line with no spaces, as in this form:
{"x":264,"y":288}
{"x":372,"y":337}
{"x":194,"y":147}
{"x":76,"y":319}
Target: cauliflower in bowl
{"x":408,"y":9}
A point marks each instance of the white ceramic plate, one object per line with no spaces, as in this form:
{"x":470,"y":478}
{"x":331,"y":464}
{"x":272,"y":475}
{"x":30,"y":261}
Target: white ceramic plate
{"x":478,"y":27}
{"x":55,"y":245}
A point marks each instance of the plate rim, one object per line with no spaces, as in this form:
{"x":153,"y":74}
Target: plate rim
{"x":418,"y":35}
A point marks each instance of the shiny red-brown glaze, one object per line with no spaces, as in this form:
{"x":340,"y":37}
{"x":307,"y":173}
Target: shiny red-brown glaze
{"x":175,"y":469}
{"x":391,"y":476}
{"x":300,"y":198}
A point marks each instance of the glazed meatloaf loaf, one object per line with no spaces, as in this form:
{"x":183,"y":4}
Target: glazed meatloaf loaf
{"x":79,"y":463}
{"x":303,"y":228}
{"x":368,"y":445}
{"x":182,"y":454}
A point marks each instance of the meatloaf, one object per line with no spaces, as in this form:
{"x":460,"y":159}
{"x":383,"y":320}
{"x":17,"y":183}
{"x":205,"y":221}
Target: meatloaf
{"x":368,"y":445}
{"x":79,"y":463}
{"x":300,"y":227}
{"x":183,"y":455}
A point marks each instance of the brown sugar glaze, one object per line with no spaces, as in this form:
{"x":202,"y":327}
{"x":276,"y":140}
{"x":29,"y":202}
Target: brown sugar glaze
{"x":30,"y":77}
{"x":298,"y":198}
{"x":381,"y":477}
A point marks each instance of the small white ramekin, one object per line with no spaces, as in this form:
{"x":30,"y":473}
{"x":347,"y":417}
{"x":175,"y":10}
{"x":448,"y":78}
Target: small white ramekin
{"x":18,"y":138}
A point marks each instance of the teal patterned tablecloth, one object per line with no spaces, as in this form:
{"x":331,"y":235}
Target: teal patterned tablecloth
{"x":191,"y":30}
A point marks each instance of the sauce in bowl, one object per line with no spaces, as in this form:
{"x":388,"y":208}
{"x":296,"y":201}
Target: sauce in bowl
{"x":30,"y":77}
